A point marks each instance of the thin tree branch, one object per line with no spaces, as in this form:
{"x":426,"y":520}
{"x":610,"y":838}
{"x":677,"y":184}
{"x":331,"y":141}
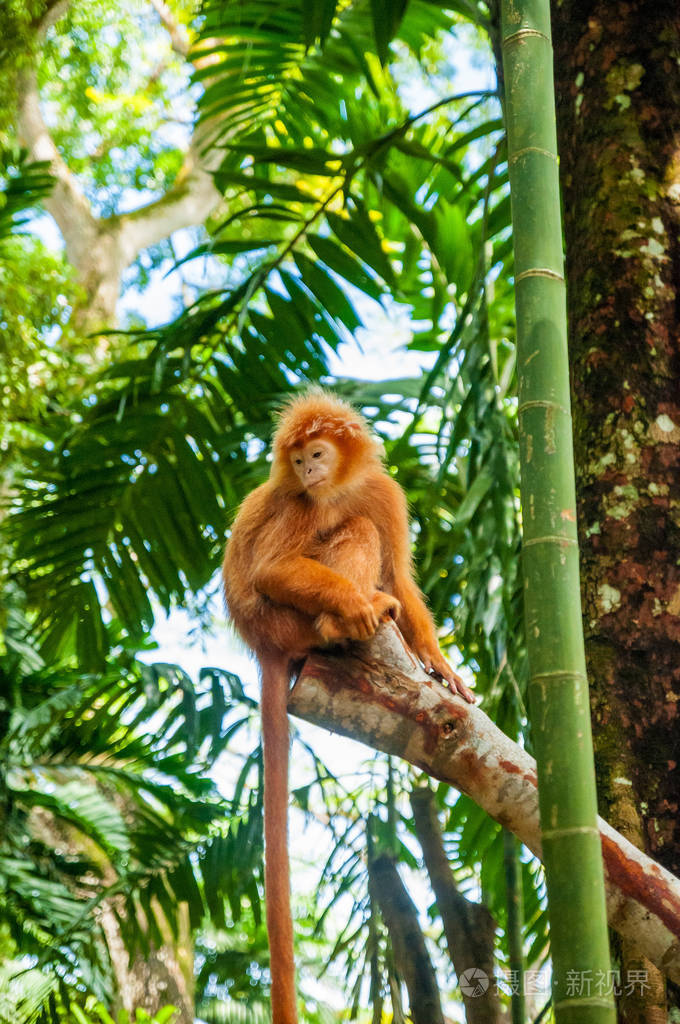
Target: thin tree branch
{"x":410,"y":952}
{"x":54,"y":10}
{"x":469,"y":928}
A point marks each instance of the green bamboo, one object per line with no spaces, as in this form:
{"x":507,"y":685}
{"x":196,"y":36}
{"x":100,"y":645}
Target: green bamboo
{"x":558,"y":690}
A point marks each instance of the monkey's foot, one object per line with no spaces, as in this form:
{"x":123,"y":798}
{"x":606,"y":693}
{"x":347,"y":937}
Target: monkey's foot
{"x":385,"y":606}
{"x":436,"y":664}
{"x":362,"y":624}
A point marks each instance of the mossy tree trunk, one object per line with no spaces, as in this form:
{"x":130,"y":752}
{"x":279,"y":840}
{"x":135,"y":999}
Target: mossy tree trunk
{"x":617,"y":70}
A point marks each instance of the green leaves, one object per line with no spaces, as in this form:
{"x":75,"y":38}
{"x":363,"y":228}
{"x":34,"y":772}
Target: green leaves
{"x":23,"y":183}
{"x":360,"y":236}
{"x":88,"y":810}
{"x":332,"y":299}
{"x":277,"y":65}
{"x":23,"y":993}
{"x":130,"y":500}
{"x":317,"y":18}
{"x":104,"y":792}
{"x":387,"y":15}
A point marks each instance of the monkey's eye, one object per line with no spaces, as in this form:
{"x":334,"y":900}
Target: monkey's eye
{"x":316,"y":455}
{"x":298,"y":462}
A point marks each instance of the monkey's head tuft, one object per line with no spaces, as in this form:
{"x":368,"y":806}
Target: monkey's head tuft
{"x":319,"y":414}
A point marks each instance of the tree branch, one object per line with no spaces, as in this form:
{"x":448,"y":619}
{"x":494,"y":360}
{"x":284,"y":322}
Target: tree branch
{"x":190,"y":200}
{"x":469,"y":928}
{"x":67,"y":202}
{"x":101,"y":248}
{"x":410,"y":952}
{"x":179,"y":37}
{"x":54,"y":10}
{"x":380,"y":695}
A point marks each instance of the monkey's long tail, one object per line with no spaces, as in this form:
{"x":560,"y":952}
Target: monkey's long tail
{"x":277,"y":868}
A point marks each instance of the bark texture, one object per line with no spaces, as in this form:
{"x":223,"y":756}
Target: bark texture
{"x":469,"y":928}
{"x":164,"y":977}
{"x":379,"y":694}
{"x":618,"y":100}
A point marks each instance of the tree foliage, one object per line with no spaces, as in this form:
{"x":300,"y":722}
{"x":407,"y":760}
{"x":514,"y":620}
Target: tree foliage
{"x":344,"y":202}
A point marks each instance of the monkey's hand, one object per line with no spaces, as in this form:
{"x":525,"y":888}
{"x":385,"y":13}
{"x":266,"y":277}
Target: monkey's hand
{"x":385,"y":606}
{"x":358,"y":622}
{"x":436,"y":664}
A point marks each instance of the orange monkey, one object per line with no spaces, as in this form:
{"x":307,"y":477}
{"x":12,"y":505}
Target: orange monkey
{"x":317,"y":554}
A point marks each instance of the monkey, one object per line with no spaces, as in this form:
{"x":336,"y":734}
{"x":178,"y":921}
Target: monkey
{"x":318,"y":554}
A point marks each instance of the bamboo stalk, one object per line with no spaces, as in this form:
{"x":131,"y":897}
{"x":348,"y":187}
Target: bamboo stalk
{"x":559,"y":705}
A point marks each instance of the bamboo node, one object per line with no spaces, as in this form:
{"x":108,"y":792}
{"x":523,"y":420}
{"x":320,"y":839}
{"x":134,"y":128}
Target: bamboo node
{"x":539,"y":403}
{"x":574,"y":830}
{"x":525,"y":33}
{"x":532,"y":149}
{"x":550,"y":539}
{"x":559,"y":674}
{"x":540,"y":272}
{"x":585,"y":1001}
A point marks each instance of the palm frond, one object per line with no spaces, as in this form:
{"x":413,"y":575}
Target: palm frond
{"x":23,"y":183}
{"x":24,"y":993}
{"x":265,"y":65}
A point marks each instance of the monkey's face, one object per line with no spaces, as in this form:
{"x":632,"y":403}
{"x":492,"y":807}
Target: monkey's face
{"x":316,"y":464}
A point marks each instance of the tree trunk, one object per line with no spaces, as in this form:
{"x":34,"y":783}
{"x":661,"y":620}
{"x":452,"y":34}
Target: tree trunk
{"x":469,"y":928}
{"x":379,"y":694}
{"x":410,"y":952}
{"x":617,"y":69}
{"x":100,"y":248}
{"x":165,"y":977}
{"x":618,"y":78}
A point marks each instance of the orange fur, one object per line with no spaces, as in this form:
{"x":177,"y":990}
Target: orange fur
{"x":309,"y":565}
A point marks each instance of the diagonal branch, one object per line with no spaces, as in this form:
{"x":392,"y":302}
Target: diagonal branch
{"x":192,"y":197}
{"x":410,"y":952}
{"x":379,"y":694}
{"x":54,"y":10}
{"x":469,"y":928}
